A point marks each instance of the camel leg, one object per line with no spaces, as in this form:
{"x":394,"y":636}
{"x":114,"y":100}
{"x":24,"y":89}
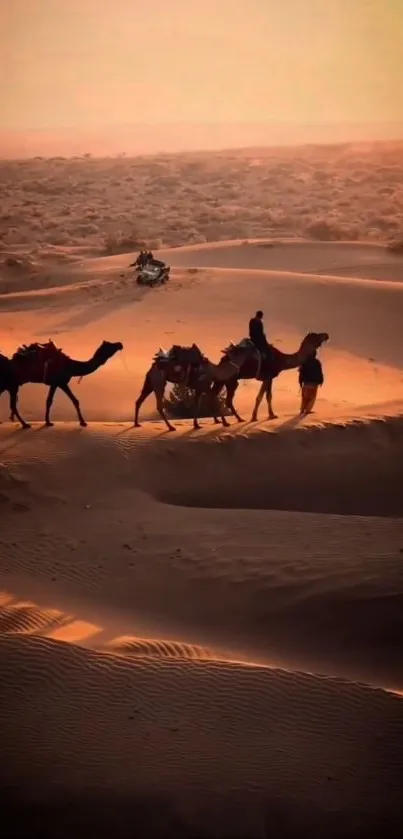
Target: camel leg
{"x":258,"y":400}
{"x":198,"y":396}
{"x":215,"y":392}
{"x":153,"y":382}
{"x":159,"y":396}
{"x":231,"y":389}
{"x":269,"y":397}
{"x":49,"y":400}
{"x":14,"y":410}
{"x":145,"y":393}
{"x":65,"y":388}
{"x":219,"y":413}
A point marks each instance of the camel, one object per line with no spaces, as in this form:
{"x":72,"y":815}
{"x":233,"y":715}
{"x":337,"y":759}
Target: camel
{"x":263,"y":369}
{"x":46,"y":364}
{"x":189,"y":366}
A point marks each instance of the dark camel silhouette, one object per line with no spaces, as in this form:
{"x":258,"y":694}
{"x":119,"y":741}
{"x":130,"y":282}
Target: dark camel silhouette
{"x":46,"y":364}
{"x":188,"y":366}
{"x":264,"y":369}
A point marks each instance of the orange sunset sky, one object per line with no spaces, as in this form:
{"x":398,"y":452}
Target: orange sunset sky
{"x":82,"y":64}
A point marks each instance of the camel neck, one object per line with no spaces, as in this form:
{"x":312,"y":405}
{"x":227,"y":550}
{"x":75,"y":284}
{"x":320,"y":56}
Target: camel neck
{"x":84,"y":368}
{"x":292,"y":360}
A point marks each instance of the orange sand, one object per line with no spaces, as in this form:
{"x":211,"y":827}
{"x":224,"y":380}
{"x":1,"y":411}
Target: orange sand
{"x":200,"y":634}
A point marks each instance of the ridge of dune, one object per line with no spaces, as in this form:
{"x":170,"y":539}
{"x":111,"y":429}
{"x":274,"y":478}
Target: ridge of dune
{"x":123,"y":285}
{"x":26,"y":618}
{"x":352,"y":259}
{"x":337,"y":260}
{"x":358,"y":479}
{"x":18,"y":617}
{"x":158,"y":648}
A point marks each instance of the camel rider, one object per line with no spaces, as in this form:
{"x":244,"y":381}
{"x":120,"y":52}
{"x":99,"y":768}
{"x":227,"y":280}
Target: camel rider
{"x":257,"y":334}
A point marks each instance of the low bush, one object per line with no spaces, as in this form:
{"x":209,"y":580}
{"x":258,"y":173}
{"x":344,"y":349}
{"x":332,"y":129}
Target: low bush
{"x":180,"y":403}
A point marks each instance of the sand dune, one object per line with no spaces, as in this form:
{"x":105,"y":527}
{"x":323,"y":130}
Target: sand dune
{"x":200,"y":634}
{"x":198,"y":743}
{"x":351,"y":259}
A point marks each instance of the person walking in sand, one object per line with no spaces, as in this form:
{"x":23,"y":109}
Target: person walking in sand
{"x":310,"y":379}
{"x":257,"y":333}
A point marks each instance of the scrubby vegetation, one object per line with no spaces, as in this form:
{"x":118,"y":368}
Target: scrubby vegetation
{"x":115,"y":205}
{"x":180,"y":403}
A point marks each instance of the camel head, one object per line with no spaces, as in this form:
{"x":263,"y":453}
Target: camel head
{"x":106,"y":350}
{"x":312,"y":341}
{"x":316,"y":339}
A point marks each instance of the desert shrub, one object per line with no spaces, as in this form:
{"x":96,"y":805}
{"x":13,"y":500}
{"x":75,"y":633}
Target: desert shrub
{"x":324,"y":231}
{"x":115,"y":243}
{"x":320,"y":191}
{"x":180,"y":403}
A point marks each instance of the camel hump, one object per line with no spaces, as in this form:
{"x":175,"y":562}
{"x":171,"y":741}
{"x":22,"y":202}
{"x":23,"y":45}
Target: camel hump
{"x":161,"y":355}
{"x":37,"y":362}
{"x":243,"y":344}
{"x":186,"y":355}
{"x":37,"y":350}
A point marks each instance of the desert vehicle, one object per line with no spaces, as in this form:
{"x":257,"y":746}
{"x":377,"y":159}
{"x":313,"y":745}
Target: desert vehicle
{"x":153,"y":273}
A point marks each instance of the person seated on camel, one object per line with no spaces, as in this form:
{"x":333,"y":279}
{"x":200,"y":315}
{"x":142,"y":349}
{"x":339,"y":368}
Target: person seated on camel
{"x":257,"y":333}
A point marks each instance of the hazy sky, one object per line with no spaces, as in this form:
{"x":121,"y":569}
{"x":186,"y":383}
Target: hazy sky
{"x":89,"y":62}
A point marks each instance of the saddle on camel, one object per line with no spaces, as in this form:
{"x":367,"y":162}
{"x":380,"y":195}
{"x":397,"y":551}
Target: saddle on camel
{"x":180,"y":360}
{"x":254,"y":355}
{"x":38,"y":363}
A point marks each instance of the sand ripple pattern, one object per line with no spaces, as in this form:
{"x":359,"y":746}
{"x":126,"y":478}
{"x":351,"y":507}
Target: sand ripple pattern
{"x":154,"y":648}
{"x":106,"y":722}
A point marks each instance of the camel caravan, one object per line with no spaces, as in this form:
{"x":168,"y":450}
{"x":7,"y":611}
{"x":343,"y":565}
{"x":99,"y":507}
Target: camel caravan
{"x":47,"y":364}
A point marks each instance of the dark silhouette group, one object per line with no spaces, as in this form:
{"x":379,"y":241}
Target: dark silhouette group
{"x":310,"y":372}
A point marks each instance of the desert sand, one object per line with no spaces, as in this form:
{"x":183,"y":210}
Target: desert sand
{"x":200,"y":633}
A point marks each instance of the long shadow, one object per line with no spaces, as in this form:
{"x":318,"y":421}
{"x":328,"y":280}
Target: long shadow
{"x":12,"y":431}
{"x":130,"y":427}
{"x":292,"y":422}
{"x":14,"y":438}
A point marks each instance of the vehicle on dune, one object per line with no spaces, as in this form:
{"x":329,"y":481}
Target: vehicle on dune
{"x":150,"y":271}
{"x":153,"y":274}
